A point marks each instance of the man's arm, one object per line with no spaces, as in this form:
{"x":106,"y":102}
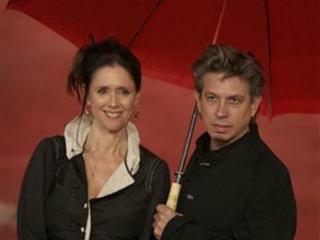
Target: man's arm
{"x":270,"y":213}
{"x":172,"y":225}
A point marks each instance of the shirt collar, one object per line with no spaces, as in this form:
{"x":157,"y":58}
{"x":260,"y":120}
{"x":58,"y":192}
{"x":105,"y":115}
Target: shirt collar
{"x":76,"y":132}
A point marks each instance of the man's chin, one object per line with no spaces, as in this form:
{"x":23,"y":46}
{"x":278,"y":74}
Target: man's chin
{"x":220,"y":140}
{"x":219,"y":135}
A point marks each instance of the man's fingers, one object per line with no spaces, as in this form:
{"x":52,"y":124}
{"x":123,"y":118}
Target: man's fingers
{"x":161,"y":207}
{"x":159,"y":221}
{"x":157,"y":229}
{"x":165,"y":210}
{"x":161,"y":218}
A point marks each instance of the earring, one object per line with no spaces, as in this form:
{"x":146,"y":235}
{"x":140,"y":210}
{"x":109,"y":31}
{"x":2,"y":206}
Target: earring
{"x":136,"y":113}
{"x":87,"y":109}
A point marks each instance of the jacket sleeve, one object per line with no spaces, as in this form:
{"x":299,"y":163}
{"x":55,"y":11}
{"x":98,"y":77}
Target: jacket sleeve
{"x":270,"y":213}
{"x":34,"y":190}
{"x":160,"y":189}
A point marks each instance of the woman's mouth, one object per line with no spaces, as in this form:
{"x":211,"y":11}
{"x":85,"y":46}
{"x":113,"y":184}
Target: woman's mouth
{"x":111,"y":114}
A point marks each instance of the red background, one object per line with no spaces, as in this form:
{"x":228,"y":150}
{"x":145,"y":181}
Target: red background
{"x":34,"y":62}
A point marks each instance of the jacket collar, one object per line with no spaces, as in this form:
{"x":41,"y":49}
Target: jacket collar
{"x":203,"y":143}
{"x":76,"y":132}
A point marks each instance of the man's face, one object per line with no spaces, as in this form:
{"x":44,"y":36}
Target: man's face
{"x":225,"y":107}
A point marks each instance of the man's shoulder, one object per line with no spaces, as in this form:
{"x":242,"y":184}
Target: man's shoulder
{"x":266,"y":162}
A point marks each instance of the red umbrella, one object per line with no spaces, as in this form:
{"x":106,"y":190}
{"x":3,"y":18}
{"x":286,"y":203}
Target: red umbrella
{"x":294,"y":42}
{"x":168,"y":35}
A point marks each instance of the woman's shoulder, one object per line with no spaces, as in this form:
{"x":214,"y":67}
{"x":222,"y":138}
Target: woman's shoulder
{"x":158,"y":173}
{"x":50,"y":147}
{"x":147,"y":155}
{"x":49,"y":140}
{"x":152,"y":160}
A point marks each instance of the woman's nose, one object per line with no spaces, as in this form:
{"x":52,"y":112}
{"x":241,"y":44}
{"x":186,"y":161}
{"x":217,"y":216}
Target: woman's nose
{"x":113,"y":100}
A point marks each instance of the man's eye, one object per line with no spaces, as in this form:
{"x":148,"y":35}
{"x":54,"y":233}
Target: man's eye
{"x":234,"y":100}
{"x":211,"y":98}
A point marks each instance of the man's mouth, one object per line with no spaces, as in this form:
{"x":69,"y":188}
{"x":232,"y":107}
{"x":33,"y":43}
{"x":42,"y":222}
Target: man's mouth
{"x":221,"y":128}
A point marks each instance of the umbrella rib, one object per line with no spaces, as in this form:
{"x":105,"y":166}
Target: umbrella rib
{"x":144,"y":23}
{"x":266,"y":7}
{"x":216,"y":34}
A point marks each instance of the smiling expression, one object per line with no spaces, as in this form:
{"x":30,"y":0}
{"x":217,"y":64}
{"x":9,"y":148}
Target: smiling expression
{"x":226,"y":108}
{"x":112,"y":98}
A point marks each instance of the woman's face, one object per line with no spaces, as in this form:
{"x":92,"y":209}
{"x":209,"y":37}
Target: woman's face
{"x":112,"y":98}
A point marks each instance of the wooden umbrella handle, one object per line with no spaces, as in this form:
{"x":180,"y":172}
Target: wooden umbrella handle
{"x":173,"y":197}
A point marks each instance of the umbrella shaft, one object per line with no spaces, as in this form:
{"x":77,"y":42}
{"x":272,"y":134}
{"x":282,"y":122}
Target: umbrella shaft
{"x":185,"y":151}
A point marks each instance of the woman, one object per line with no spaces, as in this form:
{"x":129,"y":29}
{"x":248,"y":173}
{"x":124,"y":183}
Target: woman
{"x":96,"y":182}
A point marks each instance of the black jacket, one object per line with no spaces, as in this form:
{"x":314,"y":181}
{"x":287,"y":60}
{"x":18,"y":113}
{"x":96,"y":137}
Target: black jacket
{"x":53,"y":199}
{"x":242,"y":191}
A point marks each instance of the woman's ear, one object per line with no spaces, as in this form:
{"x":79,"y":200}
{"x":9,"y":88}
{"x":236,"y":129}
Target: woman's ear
{"x":85,"y":93}
{"x":137,"y":99}
{"x":136,"y":110}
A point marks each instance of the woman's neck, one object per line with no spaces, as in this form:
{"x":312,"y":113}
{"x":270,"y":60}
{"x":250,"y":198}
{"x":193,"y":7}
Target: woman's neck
{"x":106,"y":143}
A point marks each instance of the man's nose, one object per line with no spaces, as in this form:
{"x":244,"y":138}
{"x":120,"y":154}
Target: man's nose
{"x":222,"y":109}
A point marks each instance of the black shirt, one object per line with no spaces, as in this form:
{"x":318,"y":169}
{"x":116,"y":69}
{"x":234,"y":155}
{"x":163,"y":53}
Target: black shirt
{"x":242,"y":191}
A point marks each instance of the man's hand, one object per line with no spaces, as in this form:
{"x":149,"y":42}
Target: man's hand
{"x":161,"y":218}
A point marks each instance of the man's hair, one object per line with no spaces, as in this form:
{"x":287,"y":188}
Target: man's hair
{"x":231,"y":62}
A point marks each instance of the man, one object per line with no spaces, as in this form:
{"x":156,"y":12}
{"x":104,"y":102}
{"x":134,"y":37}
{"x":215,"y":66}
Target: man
{"x":234,"y":186}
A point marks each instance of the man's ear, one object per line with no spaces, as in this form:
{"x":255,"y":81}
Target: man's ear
{"x":255,"y":105}
{"x":197,"y":97}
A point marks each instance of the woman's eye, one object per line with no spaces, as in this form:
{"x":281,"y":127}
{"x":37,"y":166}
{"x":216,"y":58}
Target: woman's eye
{"x":124,"y":92}
{"x":102,"y":90}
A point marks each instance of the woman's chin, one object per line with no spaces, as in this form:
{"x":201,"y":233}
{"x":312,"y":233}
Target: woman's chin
{"x":115,"y":128}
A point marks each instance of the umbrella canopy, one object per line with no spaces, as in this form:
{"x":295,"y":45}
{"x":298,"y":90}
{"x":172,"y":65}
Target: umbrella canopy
{"x":168,"y":35}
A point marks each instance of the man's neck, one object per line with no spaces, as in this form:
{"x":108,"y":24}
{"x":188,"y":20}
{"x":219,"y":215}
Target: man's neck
{"x":216,"y":144}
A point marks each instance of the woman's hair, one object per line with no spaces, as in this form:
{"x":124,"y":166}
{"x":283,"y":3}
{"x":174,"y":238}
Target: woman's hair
{"x":231,"y":62}
{"x":90,"y":58}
